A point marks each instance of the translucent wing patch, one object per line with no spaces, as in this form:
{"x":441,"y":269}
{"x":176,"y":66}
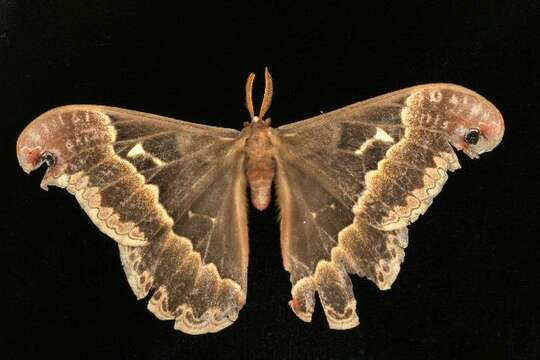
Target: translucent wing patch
{"x":171,"y":193}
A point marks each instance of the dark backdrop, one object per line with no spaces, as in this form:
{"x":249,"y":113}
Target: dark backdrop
{"x":466,"y":287}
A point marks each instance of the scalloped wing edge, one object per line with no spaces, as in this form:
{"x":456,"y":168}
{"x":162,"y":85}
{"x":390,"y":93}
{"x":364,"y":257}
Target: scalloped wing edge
{"x":212,"y":320}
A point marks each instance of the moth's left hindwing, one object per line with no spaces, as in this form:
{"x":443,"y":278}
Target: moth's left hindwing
{"x":171,"y":193}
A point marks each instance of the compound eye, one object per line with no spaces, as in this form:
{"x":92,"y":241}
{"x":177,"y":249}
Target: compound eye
{"x":472,"y":136}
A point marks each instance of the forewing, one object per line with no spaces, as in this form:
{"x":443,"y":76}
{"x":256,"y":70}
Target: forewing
{"x":349,"y":182}
{"x":171,"y":193}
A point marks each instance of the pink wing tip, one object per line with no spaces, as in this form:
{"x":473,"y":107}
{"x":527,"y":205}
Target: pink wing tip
{"x":488,"y":121}
{"x":35,"y":147}
{"x":493,"y":128}
{"x":29,"y":152}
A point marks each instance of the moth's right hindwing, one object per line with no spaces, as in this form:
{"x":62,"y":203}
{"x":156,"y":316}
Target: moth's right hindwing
{"x":171,"y":193}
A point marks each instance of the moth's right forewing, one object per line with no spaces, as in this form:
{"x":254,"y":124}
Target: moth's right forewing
{"x":358,"y":175}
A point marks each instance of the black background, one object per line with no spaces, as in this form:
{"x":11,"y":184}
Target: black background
{"x":466,"y":288}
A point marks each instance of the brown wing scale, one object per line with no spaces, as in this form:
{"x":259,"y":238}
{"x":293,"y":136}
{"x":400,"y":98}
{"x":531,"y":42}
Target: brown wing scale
{"x":171,"y":193}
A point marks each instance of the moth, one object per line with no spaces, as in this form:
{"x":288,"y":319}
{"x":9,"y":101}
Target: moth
{"x":172,"y":193}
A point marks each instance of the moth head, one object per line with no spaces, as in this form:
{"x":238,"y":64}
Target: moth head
{"x":478,"y":133}
{"x":267,"y":98}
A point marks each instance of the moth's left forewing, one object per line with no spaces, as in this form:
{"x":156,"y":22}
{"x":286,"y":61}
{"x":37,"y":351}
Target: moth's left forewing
{"x":359,"y":175}
{"x":171,"y":193}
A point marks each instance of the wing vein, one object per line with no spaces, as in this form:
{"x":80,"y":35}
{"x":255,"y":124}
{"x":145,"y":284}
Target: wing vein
{"x":142,"y":138}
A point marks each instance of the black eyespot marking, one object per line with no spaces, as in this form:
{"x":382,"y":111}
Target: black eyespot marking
{"x":472,"y":136}
{"x":48,"y":158}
